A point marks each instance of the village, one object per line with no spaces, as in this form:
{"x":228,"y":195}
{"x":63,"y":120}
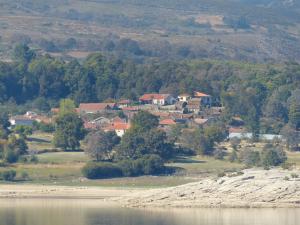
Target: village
{"x":192,"y":111}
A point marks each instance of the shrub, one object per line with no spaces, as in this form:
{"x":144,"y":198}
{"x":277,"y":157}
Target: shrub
{"x":250,"y":157}
{"x":130,"y":168}
{"x":294,"y":175}
{"x":146,"y":165}
{"x":287,"y":166}
{"x":10,"y":156}
{"x":221,"y":174}
{"x":47,"y":128}
{"x":151,"y":164}
{"x":8,"y":175}
{"x":273,"y":157}
{"x":33,"y":159}
{"x":101,"y":170}
{"x":233,"y":156}
{"x":24,"y":175}
{"x":219,"y":154}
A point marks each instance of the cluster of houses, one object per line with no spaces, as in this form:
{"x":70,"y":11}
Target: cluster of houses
{"x":28,"y":119}
{"x":191,"y":110}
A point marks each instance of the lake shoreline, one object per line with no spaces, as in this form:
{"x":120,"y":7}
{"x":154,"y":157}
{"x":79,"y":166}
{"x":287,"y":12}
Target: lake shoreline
{"x":29,"y":191}
{"x":254,"y":188}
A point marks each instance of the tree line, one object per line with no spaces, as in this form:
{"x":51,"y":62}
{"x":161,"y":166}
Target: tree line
{"x":265,"y":96}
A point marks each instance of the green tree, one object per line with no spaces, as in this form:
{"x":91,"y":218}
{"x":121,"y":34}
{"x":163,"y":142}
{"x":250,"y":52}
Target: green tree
{"x":23,"y":131}
{"x":144,"y":121}
{"x":273,"y":156}
{"x":294,"y":115}
{"x":66,"y":106}
{"x":69,"y":131}
{"x":23,"y":53}
{"x":100,"y":144}
{"x":135,"y":144}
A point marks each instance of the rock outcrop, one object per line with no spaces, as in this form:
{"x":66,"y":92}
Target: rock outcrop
{"x":252,"y":188}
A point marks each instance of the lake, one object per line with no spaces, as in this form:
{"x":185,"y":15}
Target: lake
{"x":97,"y":212}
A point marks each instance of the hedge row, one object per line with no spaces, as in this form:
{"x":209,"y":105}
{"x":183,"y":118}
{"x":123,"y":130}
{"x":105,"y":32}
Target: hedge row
{"x":147,"y":165}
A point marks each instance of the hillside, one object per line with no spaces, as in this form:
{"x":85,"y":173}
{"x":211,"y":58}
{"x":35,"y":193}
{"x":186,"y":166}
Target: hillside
{"x":249,"y":30}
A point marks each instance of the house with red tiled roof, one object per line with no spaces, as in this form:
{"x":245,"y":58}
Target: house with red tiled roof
{"x":124,"y":103}
{"x":205,"y":99}
{"x":167,"y":122}
{"x":119,"y":128}
{"x":157,"y":99}
{"x":88,"y":108}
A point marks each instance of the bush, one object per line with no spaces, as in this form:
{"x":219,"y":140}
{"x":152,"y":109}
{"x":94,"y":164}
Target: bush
{"x":130,"y":168}
{"x":250,"y":157}
{"x":24,"y":175}
{"x":233,"y":156}
{"x":47,"y":128}
{"x":273,"y":157}
{"x":28,"y":159}
{"x":151,"y":164}
{"x":8,"y":175}
{"x":101,"y":170}
{"x":219,"y":154}
{"x":294,"y":175}
{"x":10,"y":156}
{"x":146,"y":165}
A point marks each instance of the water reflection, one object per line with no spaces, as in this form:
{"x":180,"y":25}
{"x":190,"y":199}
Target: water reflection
{"x":89,"y":212}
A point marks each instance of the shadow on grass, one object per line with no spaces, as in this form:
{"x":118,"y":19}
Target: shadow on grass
{"x":173,"y":170}
{"x":31,"y":139}
{"x":182,"y":159}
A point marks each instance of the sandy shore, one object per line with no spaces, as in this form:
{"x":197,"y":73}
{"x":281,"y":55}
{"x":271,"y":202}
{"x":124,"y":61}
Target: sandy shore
{"x":44,"y":191}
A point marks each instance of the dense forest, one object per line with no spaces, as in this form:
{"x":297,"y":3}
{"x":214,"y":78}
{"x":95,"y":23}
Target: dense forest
{"x":266,"y":94}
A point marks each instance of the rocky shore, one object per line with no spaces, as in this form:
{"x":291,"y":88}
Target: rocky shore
{"x":251,"y":188}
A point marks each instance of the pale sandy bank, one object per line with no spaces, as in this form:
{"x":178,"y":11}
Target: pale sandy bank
{"x":253,"y":188}
{"x":43,"y":191}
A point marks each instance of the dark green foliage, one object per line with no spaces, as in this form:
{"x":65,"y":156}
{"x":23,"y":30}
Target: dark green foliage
{"x":135,"y":144}
{"x":12,"y":149}
{"x":23,"y":131}
{"x":294,"y":115}
{"x":8,"y":175}
{"x":23,"y":53}
{"x":268,"y":90}
{"x":144,"y":121}
{"x":100,"y":144}
{"x":10,"y":156}
{"x":202,"y":141}
{"x":146,"y":165}
{"x":69,"y":131}
{"x":44,"y":127}
{"x":219,"y":154}
{"x":101,"y":170}
{"x":233,"y":156}
{"x":4,"y":124}
{"x":273,"y":156}
{"x":250,"y":157}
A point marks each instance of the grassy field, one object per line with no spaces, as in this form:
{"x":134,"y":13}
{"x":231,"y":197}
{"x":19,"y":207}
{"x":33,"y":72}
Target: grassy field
{"x":40,"y":142}
{"x":64,"y":168}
